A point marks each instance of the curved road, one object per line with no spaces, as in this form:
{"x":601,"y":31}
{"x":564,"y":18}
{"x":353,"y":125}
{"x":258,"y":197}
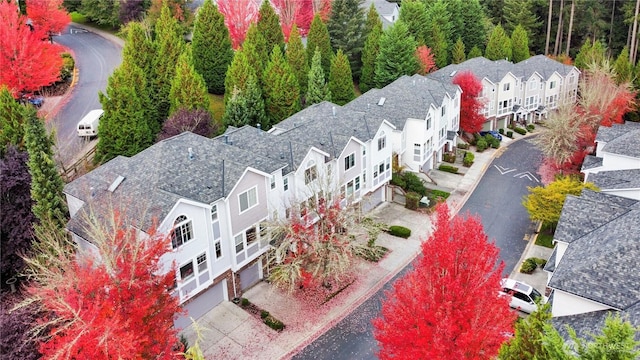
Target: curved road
{"x":96,"y":58}
{"x":497,"y":200}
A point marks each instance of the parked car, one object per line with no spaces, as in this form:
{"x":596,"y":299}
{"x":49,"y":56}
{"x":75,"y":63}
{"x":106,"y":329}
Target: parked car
{"x":493,"y":133}
{"x":523,"y":296}
{"x":35,"y":100}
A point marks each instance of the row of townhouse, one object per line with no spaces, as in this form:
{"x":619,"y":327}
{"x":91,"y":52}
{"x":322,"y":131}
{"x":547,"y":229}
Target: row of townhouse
{"x":214,"y":196}
{"x":523,"y":92}
{"x":593,"y":270}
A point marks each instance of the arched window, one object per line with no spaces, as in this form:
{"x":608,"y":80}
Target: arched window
{"x":182,"y":231}
{"x":382,"y":141}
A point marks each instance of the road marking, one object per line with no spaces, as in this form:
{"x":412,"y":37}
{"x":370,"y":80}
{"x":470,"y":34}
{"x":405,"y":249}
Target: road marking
{"x":503,"y":170}
{"x":527,"y":175}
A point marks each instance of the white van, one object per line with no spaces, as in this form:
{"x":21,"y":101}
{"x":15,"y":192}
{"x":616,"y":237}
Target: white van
{"x":88,"y":126}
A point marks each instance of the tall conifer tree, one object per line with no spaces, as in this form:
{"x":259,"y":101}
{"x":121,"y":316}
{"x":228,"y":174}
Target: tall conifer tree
{"x":211,"y":46}
{"x":519,"y":44}
{"x":414,"y":14}
{"x":13,"y":117}
{"x":256,"y":51}
{"x":141,"y":51}
{"x":269,"y":26}
{"x":369,"y":55}
{"x":396,"y":56}
{"x":237,"y":75}
{"x":281,"y":93}
{"x":373,"y":20}
{"x":319,"y":37}
{"x":346,"y":27}
{"x":458,"y":52}
{"x":246,"y":107}
{"x":318,"y":90}
{"x":499,"y":45}
{"x":340,"y":83}
{"x":188,"y":89}
{"x":297,"y":59}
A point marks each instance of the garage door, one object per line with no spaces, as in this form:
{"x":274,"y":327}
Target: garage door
{"x":250,"y":276}
{"x":372,"y":200}
{"x":202,"y":304}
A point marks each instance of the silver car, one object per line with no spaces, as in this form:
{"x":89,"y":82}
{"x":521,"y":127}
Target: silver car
{"x":523,"y":296}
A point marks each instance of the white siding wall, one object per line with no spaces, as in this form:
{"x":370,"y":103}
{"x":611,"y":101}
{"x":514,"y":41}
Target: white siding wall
{"x":74,"y":204}
{"x":567,"y":304}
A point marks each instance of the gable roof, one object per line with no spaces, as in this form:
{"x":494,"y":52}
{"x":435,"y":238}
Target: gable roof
{"x":407,"y":97}
{"x":481,"y":67}
{"x":542,"y":65}
{"x":165,"y":173}
{"x":591,"y":162}
{"x":590,"y":323}
{"x":621,"y":139}
{"x":600,"y":262}
{"x":617,"y":179}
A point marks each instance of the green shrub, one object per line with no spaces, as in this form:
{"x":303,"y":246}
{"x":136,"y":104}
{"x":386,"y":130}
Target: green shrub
{"x":531,"y":264}
{"x":273,"y":323}
{"x":412,"y":200}
{"x":530,"y":127}
{"x":520,"y":130}
{"x":414,"y":183}
{"x":463,"y":146}
{"x":245,"y":302}
{"x":468,"y":159}
{"x":448,"y":168}
{"x":481,"y":144}
{"x":439,"y":194}
{"x":399,"y":231}
{"x":449,"y":157}
{"x":66,"y":71}
{"x":501,"y":131}
{"x":397,"y":179}
{"x":264,"y":314}
{"x":491,"y":141}
{"x":372,"y":253}
{"x":510,"y":134}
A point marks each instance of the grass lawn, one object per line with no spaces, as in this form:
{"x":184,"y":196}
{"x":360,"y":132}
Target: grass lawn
{"x":545,"y":237}
{"x":79,"y":18}
{"x":216,"y":105}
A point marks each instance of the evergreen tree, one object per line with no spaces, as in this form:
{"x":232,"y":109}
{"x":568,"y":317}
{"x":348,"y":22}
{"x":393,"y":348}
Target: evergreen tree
{"x":474,"y":52}
{"x":369,"y":55}
{"x":474,"y":19}
{"x":527,"y":342}
{"x":396,"y":56}
{"x":49,"y":205}
{"x":297,"y":59}
{"x":188,"y":89}
{"x":318,"y":36}
{"x":256,"y":51}
{"x":414,"y":14}
{"x":520,"y":12}
{"x":623,"y":68}
{"x":125,"y":127}
{"x":281,"y":93}
{"x":269,"y":26}
{"x":237,"y":75}
{"x":246,"y":107}
{"x":211,"y":46}
{"x":340,"y":84}
{"x":13,"y":118}
{"x":373,"y":20}
{"x":590,"y":53}
{"x":499,"y":45}
{"x":519,"y":44}
{"x":318,"y":90}
{"x":346,"y":26}
{"x":458,"y":52}
{"x":437,"y":32}
{"x":440,"y":46}
{"x":170,"y":45}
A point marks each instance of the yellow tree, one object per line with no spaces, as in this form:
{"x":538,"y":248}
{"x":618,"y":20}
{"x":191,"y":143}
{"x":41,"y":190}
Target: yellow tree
{"x":544,"y":203}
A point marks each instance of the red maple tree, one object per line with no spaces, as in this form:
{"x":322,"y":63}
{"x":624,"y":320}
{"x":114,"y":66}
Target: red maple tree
{"x":48,"y":16}
{"x":115,"y":306}
{"x":288,"y":11}
{"x":471,"y":120}
{"x":28,"y":63}
{"x":307,"y":9}
{"x":425,"y":59}
{"x":448,"y":307}
{"x":238,"y":15}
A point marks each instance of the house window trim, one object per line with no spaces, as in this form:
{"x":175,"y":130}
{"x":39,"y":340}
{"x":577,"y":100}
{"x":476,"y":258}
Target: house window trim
{"x":249,"y":206}
{"x":185,"y":226}
{"x":349,"y":161}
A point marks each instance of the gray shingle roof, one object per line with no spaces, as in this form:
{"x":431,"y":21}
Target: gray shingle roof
{"x":591,"y":323}
{"x":157,"y":177}
{"x":627,"y":143}
{"x":480,"y":66}
{"x":601,"y":264}
{"x":612,"y":199}
{"x":551,"y":262}
{"x":541,"y":64}
{"x":407,"y":97}
{"x":607,"y":134}
{"x":591,"y":162}
{"x":617,"y":179}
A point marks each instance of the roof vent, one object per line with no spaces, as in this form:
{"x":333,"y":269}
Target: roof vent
{"x":333,"y":109}
{"x":226,"y":138}
{"x":259,"y":126}
{"x":414,"y":82}
{"x":190,"y":153}
{"x":381,"y":101}
{"x":114,"y":185}
{"x":453,"y":73}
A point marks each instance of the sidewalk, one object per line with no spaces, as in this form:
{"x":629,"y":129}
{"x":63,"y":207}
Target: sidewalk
{"x":229,"y":332}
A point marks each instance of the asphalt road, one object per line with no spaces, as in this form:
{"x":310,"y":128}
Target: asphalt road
{"x":497,"y":200}
{"x":96,"y":58}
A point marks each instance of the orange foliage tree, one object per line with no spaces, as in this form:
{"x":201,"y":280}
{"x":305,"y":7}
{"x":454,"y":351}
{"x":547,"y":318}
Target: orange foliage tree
{"x":238,"y":15}
{"x":48,"y":16}
{"x":471,"y":120}
{"x":28,"y":62}
{"x":425,"y":60}
{"x":448,"y":307}
{"x":112,"y":305}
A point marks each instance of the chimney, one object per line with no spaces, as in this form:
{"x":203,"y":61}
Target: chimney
{"x":226,"y":138}
{"x":190,"y":153}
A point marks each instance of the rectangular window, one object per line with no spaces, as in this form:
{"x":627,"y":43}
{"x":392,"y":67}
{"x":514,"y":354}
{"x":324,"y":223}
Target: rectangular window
{"x":251,"y":235}
{"x":387,"y":164}
{"x":375,"y":172}
{"x":310,"y":175}
{"x":357,"y":180}
{"x":532,"y":84}
{"x":416,"y":152}
{"x":248,"y":199}
{"x":214,"y":213}
{"x":429,"y":122}
{"x":202,"y":263}
{"x":381,"y":168}
{"x":186,"y":271}
{"x":349,"y":162}
{"x":350,"y":188}
{"x":239,"y":243}
{"x":364,"y":177}
{"x":287,"y":213}
{"x":443,"y":111}
{"x":506,"y":87}
{"x":273,"y":182}
{"x":382,"y":143}
{"x":364,"y":151}
{"x":218,"y":248}
{"x":552,"y":85}
{"x":285,"y":184}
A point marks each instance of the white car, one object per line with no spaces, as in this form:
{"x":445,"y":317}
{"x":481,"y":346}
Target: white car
{"x":523,"y":297}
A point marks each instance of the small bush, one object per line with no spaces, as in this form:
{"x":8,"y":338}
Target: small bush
{"x":245,"y":302}
{"x":463,"y":146}
{"x":273,"y":323}
{"x":520,"y":130}
{"x":491,"y":141}
{"x":449,"y":157}
{"x":531,"y":264}
{"x":399,"y":231}
{"x":412,"y":200}
{"x":530,"y":127}
{"x":468,"y":159}
{"x":264,"y":314}
{"x":414,"y":183}
{"x":510,"y":134}
{"x":501,"y":131}
{"x":448,"y":168}
{"x":67,"y":66}
{"x":481,"y":144}
{"x":398,"y":180}
{"x":439,"y":194}
{"x":372,"y":253}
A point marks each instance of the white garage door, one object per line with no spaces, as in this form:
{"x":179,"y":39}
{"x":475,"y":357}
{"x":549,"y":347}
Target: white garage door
{"x":202,"y":303}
